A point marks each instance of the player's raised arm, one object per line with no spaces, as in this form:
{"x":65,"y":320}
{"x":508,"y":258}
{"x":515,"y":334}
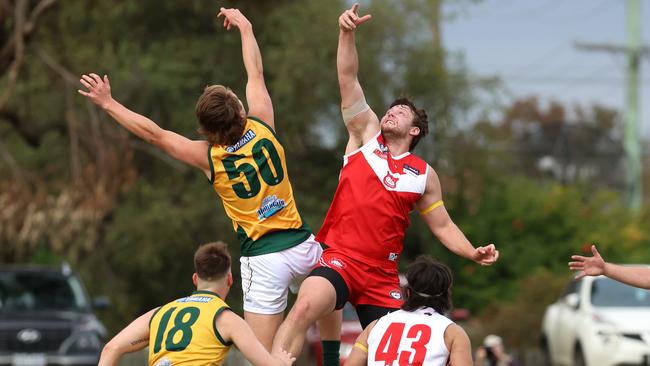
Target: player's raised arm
{"x":132,"y":338}
{"x":596,"y":266}
{"x":179,"y":147}
{"x":257,"y":96}
{"x":362,"y":123}
{"x":235,"y":329}
{"x":437,"y":218}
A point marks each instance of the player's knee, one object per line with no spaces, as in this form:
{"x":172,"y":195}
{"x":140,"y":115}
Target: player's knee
{"x":302,"y":313}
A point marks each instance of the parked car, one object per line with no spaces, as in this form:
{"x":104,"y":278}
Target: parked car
{"x":598,"y":322}
{"x":46,"y":318}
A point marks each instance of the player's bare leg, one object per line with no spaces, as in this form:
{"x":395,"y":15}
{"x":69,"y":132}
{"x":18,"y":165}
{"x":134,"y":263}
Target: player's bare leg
{"x":329,"y":328}
{"x":316,"y":298}
{"x":264,"y":326}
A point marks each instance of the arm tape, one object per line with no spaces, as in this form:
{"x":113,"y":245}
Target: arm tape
{"x":354,"y":110}
{"x":361,"y":347}
{"x":430,"y":208}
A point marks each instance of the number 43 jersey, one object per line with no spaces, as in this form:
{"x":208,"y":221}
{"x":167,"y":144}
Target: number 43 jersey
{"x":405,"y":338}
{"x":184,"y":332}
{"x":251,"y":179}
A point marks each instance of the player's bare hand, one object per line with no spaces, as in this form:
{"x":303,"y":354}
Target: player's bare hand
{"x":593,"y":266}
{"x":486,"y":255}
{"x":233,"y":18}
{"x":99,"y":90}
{"x":349,"y":20}
{"x":285,"y":357}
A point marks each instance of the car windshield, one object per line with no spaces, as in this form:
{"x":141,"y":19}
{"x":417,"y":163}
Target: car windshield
{"x":24,"y":291}
{"x":606,"y":292}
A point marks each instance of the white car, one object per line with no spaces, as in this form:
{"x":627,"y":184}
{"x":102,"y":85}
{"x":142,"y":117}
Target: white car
{"x":598,"y":322}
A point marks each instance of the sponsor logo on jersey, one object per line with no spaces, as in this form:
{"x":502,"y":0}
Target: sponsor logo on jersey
{"x":202,"y":299}
{"x":248,"y":136}
{"x":392,"y":256}
{"x":396,"y":294}
{"x":412,"y":170}
{"x":390,"y":181}
{"x":381,"y":154}
{"x":270,"y":206}
{"x":164,"y":362}
{"x":337,"y":263}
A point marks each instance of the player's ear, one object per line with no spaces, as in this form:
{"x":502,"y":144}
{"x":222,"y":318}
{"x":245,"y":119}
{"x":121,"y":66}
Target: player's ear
{"x":230,"y":280}
{"x":415,"y":131}
{"x":195,"y":279}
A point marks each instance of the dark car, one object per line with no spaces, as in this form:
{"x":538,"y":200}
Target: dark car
{"x":46,"y":318}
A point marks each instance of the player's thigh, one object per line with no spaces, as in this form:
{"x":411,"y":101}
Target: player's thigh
{"x":265,"y":281}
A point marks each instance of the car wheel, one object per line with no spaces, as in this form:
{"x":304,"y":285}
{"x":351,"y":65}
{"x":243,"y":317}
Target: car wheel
{"x":578,"y":357}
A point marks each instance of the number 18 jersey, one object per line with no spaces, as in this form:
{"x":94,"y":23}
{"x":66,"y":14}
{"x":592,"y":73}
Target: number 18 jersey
{"x":184,"y":332}
{"x":251,"y":179}
{"x":405,"y":338}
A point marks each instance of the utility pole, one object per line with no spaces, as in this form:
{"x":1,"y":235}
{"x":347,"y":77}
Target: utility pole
{"x":631,"y":144}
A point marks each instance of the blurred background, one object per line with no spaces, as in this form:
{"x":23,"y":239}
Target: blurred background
{"x":528,"y":104}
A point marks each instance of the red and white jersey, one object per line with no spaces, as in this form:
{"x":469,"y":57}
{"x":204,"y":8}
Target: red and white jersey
{"x":370,"y":210}
{"x":404,"y":338}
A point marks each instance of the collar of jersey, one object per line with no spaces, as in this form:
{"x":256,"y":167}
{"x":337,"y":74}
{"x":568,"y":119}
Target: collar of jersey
{"x":203,"y":292}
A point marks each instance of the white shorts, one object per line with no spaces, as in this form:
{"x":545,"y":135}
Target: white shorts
{"x":266,"y":278}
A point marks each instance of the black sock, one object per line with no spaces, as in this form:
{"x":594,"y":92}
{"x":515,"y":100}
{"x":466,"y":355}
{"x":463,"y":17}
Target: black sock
{"x":331,"y":353}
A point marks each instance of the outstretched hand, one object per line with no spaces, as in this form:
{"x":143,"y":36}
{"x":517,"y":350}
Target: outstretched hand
{"x":233,"y":18}
{"x":99,"y":90}
{"x":486,"y":255}
{"x":349,"y":20}
{"x":593,"y":266}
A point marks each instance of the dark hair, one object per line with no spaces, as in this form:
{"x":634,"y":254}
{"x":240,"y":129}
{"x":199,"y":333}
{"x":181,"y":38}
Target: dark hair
{"x":429,"y":284}
{"x":212,"y":261}
{"x":419,"y":119}
{"x":219,"y":114}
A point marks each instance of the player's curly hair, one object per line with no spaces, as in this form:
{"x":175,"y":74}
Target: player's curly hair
{"x":429,"y":284}
{"x":219,"y":114}
{"x":212,"y":261}
{"x":420,"y":119}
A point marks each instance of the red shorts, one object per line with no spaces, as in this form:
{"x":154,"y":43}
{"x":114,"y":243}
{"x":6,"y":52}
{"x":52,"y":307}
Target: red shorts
{"x":368,"y":284}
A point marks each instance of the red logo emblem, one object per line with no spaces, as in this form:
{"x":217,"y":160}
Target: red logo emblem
{"x":396,"y":294}
{"x":337,"y":263}
{"x":390,"y":181}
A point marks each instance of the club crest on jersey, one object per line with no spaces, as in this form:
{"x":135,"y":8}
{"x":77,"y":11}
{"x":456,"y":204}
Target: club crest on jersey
{"x":248,"y":136}
{"x":270,"y":206}
{"x":390,"y":181}
{"x":392,"y":257}
{"x":337,"y":263}
{"x":396,"y":294}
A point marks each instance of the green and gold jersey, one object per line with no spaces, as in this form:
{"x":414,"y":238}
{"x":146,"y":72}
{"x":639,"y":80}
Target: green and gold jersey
{"x":184,"y":332}
{"x":251,"y":179}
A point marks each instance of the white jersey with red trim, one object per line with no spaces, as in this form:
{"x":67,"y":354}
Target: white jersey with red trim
{"x":370,"y":210}
{"x":405,"y":338}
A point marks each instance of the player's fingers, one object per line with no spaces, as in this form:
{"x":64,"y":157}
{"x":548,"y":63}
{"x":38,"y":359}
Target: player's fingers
{"x":347,"y":23}
{"x":496,"y":255}
{"x":106,"y":81}
{"x":363,"y":19}
{"x":96,"y":77}
{"x":86,"y":84}
{"x":354,"y":7}
{"x":88,"y":79}
{"x":83,"y":93}
{"x":578,"y":258}
{"x":594,"y":251}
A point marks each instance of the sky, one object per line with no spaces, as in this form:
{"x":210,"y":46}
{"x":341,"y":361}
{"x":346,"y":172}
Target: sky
{"x":530,"y":45}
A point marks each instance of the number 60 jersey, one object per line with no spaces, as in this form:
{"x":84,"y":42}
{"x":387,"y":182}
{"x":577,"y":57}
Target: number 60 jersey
{"x":251,"y":179}
{"x":405,"y":338}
